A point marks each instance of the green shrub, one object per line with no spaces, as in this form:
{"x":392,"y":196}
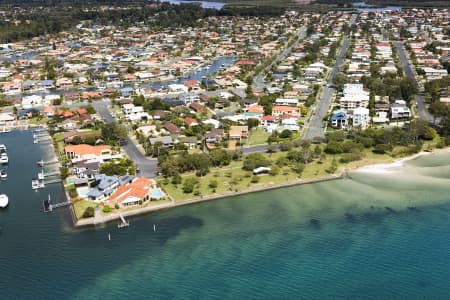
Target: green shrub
{"x":255,"y":179}
{"x":89,"y":212}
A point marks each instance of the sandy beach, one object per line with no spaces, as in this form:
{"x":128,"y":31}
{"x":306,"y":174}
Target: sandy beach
{"x":396,"y":166}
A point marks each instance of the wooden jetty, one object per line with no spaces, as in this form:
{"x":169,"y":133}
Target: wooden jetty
{"x":52,"y":181}
{"x":43,"y":163}
{"x":48,"y":207}
{"x":124,"y":223}
{"x":42,"y":175}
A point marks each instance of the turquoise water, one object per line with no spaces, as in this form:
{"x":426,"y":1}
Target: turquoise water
{"x":259,"y":246}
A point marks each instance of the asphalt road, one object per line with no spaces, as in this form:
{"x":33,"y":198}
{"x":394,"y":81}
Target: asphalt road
{"x":258,"y":82}
{"x":407,"y":68}
{"x":315,"y":126}
{"x":146,"y":166}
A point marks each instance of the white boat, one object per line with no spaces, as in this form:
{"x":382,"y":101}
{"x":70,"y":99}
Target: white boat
{"x":4,"y":158}
{"x":2,"y":148}
{"x":3,"y":174}
{"x":37,"y":184}
{"x":3,"y":201}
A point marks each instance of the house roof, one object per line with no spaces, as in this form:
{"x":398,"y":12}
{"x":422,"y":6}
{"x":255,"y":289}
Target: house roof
{"x":172,"y":128}
{"x":84,"y":149}
{"x":166,"y":140}
{"x":197,"y":107}
{"x":136,"y":190}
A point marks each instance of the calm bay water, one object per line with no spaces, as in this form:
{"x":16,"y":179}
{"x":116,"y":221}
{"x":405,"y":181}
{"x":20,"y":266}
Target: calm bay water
{"x":259,"y":246}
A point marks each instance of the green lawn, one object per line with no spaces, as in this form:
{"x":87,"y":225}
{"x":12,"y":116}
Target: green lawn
{"x":233,"y":179}
{"x":59,"y":138}
{"x":257,"y":137}
{"x":39,"y":120}
{"x":80,"y":207}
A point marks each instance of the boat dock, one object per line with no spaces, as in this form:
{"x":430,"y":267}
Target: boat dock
{"x":124,"y":223}
{"x":48,"y":207}
{"x":52,"y":181}
{"x":41,"y":135}
{"x":43,"y":163}
{"x":42,"y":175}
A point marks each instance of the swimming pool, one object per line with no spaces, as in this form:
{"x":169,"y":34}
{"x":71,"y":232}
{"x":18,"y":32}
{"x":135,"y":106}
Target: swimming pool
{"x":157,"y":194}
{"x":83,"y":191}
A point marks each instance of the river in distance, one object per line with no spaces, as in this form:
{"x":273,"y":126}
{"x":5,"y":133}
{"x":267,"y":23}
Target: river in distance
{"x":371,"y":236}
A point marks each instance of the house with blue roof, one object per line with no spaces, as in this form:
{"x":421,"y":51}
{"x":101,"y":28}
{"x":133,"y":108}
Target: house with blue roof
{"x":47,"y":84}
{"x":339,"y":120}
{"x":126,"y":92}
{"x":28,"y":85}
{"x":104,"y":186}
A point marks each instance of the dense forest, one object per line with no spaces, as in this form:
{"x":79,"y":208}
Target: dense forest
{"x":51,"y":16}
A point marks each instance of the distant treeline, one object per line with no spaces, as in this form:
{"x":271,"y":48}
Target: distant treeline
{"x":41,"y":17}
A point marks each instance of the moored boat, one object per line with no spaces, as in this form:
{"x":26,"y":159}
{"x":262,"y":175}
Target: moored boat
{"x":37,"y":184}
{"x":4,"y":201}
{"x":4,"y":158}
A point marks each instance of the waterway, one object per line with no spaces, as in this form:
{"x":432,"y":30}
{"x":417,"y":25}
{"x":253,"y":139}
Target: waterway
{"x":205,"y":72}
{"x":258,"y":246}
{"x":204,"y":4}
{"x":364,"y":7}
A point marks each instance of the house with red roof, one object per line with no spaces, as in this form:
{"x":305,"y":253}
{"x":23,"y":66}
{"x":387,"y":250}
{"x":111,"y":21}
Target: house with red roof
{"x":190,"y":122}
{"x":197,"y":107}
{"x":140,"y":190}
{"x":84,"y":152}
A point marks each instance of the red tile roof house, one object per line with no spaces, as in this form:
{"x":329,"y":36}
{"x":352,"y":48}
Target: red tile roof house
{"x":134,"y":193}
{"x":266,"y":120}
{"x":171,"y":128}
{"x":84,"y":152}
{"x":190,"y":122}
{"x":278,"y":111}
{"x":197,"y":107}
{"x":193,"y":85}
{"x":238,"y":132}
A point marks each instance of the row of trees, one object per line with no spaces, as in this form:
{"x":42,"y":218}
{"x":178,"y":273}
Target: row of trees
{"x":200,"y":163}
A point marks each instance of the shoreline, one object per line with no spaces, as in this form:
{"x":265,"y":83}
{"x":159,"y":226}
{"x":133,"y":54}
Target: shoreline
{"x":140,"y":211}
{"x":396,"y":165}
{"x":374,"y":168}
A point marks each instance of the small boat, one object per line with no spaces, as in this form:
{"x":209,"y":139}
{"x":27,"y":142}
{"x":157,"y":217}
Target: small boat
{"x":3,"y":174}
{"x":3,"y":201}
{"x":37,"y":184}
{"x":2,"y":148}
{"x":4,"y":158}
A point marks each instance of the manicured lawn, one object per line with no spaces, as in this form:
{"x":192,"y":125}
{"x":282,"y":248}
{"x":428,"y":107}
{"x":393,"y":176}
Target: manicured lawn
{"x":59,"y":138}
{"x":257,"y":137}
{"x":80,"y":207}
{"x":39,"y":120}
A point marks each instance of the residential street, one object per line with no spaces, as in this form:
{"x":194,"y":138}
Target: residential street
{"x":146,"y":166}
{"x":315,"y":126}
{"x":258,"y":82}
{"x":407,"y":68}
